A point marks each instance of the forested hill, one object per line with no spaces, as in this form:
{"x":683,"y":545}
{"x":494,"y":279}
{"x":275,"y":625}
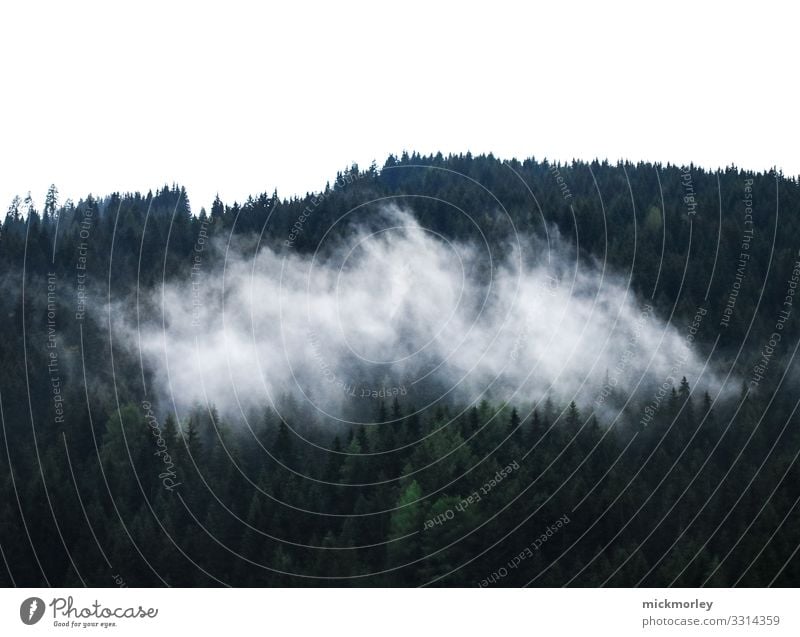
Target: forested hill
{"x":102,"y":478}
{"x":676,"y":231}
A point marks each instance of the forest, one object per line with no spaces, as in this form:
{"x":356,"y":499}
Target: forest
{"x":113,"y":473}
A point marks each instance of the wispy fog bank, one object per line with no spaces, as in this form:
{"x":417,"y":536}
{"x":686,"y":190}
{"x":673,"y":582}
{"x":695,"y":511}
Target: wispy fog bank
{"x":400,"y":311}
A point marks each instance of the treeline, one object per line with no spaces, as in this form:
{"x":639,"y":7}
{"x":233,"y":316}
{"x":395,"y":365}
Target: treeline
{"x":85,"y":468}
{"x":677,"y":232}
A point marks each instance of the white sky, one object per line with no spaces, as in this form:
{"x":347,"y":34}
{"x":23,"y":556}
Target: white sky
{"x":240,"y":99}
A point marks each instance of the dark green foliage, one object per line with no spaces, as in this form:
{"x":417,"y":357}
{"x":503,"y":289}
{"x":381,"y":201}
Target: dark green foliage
{"x":705,"y":494}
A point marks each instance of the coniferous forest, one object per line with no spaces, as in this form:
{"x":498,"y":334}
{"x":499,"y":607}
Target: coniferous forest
{"x":640,"y":428}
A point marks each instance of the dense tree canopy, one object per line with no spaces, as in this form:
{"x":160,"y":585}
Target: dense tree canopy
{"x":100,"y":480}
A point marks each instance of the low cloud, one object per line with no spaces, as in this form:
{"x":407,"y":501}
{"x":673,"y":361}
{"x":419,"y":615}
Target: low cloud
{"x":397,"y":310}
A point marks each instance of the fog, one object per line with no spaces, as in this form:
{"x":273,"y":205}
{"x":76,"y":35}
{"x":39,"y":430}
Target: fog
{"x":398,"y":311}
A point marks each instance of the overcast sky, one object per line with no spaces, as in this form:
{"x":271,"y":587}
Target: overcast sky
{"x":236,"y":99}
